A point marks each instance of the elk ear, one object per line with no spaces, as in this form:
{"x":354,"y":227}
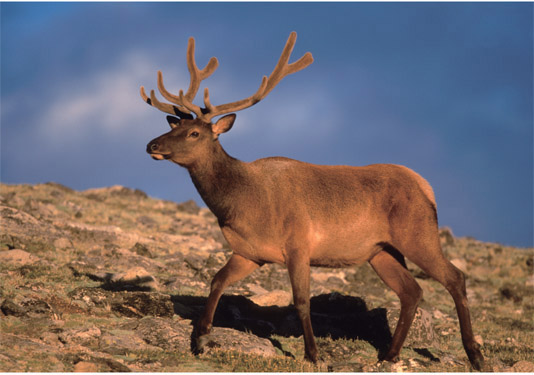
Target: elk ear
{"x":223,"y":124}
{"x":173,"y":121}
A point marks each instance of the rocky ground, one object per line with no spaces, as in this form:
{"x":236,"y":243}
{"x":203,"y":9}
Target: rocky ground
{"x":111,"y":280}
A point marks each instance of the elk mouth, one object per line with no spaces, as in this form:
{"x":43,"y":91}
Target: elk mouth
{"x":153,"y":149}
{"x":160,"y":156}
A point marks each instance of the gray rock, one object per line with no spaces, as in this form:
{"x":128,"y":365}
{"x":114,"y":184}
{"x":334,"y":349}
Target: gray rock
{"x":164,"y":333}
{"x":86,"y":336}
{"x":120,"y":342}
{"x":421,"y":333}
{"x":189,"y":207}
{"x":230,"y":339}
{"x":130,"y":304}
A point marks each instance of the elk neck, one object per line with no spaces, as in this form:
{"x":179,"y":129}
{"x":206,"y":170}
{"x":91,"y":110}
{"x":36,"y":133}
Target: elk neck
{"x":219,"y":179}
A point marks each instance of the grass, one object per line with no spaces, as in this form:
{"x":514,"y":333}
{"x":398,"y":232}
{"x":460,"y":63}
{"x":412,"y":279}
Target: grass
{"x":240,"y":362}
{"x":504,"y":320}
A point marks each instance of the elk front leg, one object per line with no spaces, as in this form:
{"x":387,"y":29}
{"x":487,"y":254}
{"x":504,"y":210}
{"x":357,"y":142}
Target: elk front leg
{"x":236,"y":269}
{"x":299,"y":274}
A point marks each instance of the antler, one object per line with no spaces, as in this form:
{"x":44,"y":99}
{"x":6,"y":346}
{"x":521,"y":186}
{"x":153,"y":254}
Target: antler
{"x":196,"y":76}
{"x":185,"y":102}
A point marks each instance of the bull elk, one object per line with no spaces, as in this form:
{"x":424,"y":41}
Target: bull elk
{"x":279,"y":210}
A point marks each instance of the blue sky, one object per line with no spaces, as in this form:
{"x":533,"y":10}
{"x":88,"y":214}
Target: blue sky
{"x":443,"y":88}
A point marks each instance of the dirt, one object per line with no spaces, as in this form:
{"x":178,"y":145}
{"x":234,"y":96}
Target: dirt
{"x":111,"y":279}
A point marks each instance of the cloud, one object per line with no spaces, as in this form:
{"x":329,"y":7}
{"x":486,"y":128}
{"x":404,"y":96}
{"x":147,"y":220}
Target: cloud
{"x":106,"y":101}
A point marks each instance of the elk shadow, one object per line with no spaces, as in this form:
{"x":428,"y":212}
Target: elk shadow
{"x":333,"y":315}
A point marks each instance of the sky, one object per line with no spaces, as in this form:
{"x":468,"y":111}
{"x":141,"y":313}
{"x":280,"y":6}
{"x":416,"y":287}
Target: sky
{"x":443,"y":88}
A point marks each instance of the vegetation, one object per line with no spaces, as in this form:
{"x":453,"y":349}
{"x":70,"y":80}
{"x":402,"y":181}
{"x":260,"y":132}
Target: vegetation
{"x":112,"y":280}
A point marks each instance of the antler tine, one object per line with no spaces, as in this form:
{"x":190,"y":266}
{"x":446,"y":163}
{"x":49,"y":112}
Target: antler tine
{"x":189,"y":105}
{"x":153,"y":101}
{"x":167,"y":95}
{"x":197,"y":75}
{"x":281,"y":70}
{"x":234,"y":106}
{"x":183,"y":102}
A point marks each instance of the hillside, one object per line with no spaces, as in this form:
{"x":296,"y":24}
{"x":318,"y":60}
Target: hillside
{"x":111,"y":280}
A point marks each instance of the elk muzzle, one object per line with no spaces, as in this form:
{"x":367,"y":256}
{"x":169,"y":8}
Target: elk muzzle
{"x":153,"y":149}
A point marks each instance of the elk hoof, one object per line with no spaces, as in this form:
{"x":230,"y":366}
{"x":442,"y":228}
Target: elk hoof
{"x":389,"y":357}
{"x":477,"y":360}
{"x":312,"y":357}
{"x":203,"y":342}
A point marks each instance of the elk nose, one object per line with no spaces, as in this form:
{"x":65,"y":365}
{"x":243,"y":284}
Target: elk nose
{"x":151,"y":147}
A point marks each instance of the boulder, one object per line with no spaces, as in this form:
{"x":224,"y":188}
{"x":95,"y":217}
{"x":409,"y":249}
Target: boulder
{"x":230,"y":339}
{"x":136,"y":278}
{"x":17,"y":257}
{"x":274,"y":298}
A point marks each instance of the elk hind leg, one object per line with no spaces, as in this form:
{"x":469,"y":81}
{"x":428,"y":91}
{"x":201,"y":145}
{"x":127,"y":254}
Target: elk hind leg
{"x":453,"y":280}
{"x":390,"y":266}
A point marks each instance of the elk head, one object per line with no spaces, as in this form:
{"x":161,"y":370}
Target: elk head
{"x":193,"y":134}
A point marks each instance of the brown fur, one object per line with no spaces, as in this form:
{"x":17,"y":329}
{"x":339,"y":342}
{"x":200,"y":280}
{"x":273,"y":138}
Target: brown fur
{"x":278,"y":210}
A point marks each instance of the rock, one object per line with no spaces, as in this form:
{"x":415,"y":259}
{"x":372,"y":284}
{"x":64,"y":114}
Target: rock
{"x":87,"y":233}
{"x":25,"y":307}
{"x":446,"y":237}
{"x":515,"y":292}
{"x":330,"y":278}
{"x":230,"y":339}
{"x":130,"y":304}
{"x":35,"y":306}
{"x":138,"y":304}
{"x":9,"y":307}
{"x":23,"y":231}
{"x":136,"y":278}
{"x":147,"y":221}
{"x":25,"y":350}
{"x":189,"y":207}
{"x":63,"y":243}
{"x":256,"y":289}
{"x":459,"y":263}
{"x":120,"y":342}
{"x":83,"y":366}
{"x":51,"y":338}
{"x":59,"y":188}
{"x":86,"y":336}
{"x":142,"y":250}
{"x":14,"y":200}
{"x":523,"y":366}
{"x":163,"y":333}
{"x":101,"y":194}
{"x":274,"y":298}
{"x":18,"y":257}
{"x":421,"y":333}
{"x":345,"y":367}
{"x":92,"y":362}
{"x":195,"y":261}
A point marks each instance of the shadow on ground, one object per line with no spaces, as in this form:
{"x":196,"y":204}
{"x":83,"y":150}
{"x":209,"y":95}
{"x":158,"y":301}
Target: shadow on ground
{"x":333,"y":315}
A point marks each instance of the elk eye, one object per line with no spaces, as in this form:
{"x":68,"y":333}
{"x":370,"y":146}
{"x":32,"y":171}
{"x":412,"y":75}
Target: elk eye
{"x":194,"y":135}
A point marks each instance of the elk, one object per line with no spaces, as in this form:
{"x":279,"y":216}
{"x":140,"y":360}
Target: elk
{"x":279,"y":210}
